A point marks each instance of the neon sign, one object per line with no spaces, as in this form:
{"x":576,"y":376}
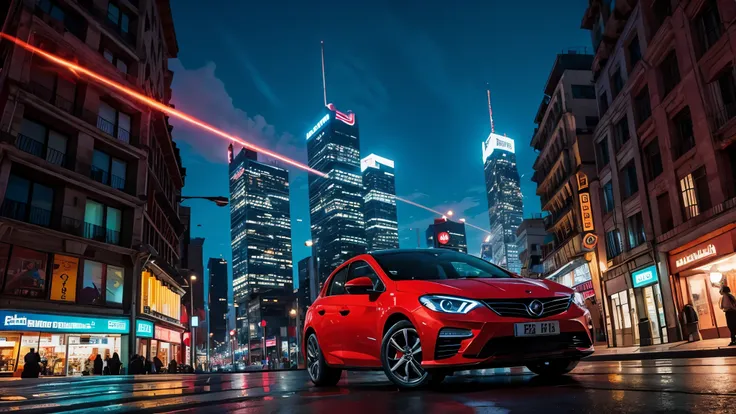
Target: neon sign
{"x":346,"y":118}
{"x":495,"y":141}
{"x":319,"y":126}
{"x":27,"y":321}
{"x":709,"y":250}
{"x":443,"y":237}
{"x":644,"y":276}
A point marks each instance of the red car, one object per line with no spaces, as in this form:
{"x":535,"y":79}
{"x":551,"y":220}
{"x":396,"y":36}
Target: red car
{"x":422,"y":314}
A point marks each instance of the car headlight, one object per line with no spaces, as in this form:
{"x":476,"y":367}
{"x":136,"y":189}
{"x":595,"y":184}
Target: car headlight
{"x":448,"y":304}
{"x":577,"y":299}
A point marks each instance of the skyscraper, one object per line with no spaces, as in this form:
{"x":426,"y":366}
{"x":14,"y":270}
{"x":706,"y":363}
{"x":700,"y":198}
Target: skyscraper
{"x":379,"y":209}
{"x":336,"y":199}
{"x":260,"y":226}
{"x":447,"y":234}
{"x":217,"y":269}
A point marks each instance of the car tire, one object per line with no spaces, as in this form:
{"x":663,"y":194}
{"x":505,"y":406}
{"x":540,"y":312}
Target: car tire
{"x":401,"y":357}
{"x":319,"y":372}
{"x":553,"y":368}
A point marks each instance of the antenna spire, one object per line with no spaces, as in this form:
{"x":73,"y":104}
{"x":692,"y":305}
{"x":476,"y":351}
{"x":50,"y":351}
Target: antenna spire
{"x":490,"y":110}
{"x":324,"y":82}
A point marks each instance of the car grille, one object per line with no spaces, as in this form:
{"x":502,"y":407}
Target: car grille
{"x":520,"y":307}
{"x":510,"y":345}
{"x":446,"y":347}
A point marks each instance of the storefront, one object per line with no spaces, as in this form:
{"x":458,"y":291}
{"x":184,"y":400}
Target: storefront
{"x":648,"y":295}
{"x":699,"y":272}
{"x":154,"y":340}
{"x":67,"y":344}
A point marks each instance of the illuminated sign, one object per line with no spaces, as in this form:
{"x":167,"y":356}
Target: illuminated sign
{"x":346,"y":118}
{"x":590,"y":240}
{"x":38,"y":322}
{"x":645,"y":276}
{"x":585,"y":289}
{"x":64,"y":278}
{"x":495,"y":141}
{"x":143,"y":329}
{"x":373,"y":160}
{"x":443,"y":237}
{"x":195,"y":321}
{"x":167,"y":335}
{"x":582,"y":181}
{"x":237,"y":174}
{"x":707,"y":251}
{"x":319,"y":126}
{"x":586,"y":212}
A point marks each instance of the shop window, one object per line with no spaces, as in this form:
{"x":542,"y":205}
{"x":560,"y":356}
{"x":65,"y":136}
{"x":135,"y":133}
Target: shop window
{"x":683,"y":138}
{"x":602,"y":152}
{"x":629,"y":180}
{"x":608,"y":203}
{"x":98,"y":275}
{"x":614,"y":246}
{"x":653,"y":159}
{"x":666,"y":222}
{"x":26,"y":273}
{"x":635,"y":227}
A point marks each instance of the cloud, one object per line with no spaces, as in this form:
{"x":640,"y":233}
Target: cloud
{"x":201,"y":93}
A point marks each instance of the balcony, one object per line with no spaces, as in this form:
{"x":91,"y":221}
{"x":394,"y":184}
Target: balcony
{"x":701,"y":218}
{"x":47,"y":95}
{"x":104,"y":177}
{"x":17,"y":210}
{"x":115,"y":131}
{"x":101,"y":234}
{"x":41,"y":150}
{"x":721,"y":114}
{"x":102,"y":16}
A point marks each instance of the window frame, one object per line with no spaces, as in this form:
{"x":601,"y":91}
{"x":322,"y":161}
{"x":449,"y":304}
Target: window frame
{"x":378,"y":284}
{"x":343,"y":271}
{"x":602,"y":152}
{"x":629,"y":181}
{"x":605,"y":195}
{"x":635,"y":230}
{"x":649,"y":156}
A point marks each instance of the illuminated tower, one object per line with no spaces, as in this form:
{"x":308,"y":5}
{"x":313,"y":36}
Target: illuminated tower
{"x":381,"y":223}
{"x":336,"y":199}
{"x":505,"y":203}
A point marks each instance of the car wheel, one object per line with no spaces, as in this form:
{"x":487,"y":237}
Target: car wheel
{"x":320,"y":374}
{"x":553,"y":368}
{"x":401,"y":356}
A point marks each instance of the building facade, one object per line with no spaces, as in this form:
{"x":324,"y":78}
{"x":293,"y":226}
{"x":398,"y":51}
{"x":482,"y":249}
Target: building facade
{"x":563,"y":172}
{"x":335,"y":198}
{"x":217,"y":301}
{"x":90,"y":185}
{"x":260,"y":221}
{"x":505,"y":204}
{"x":308,"y":285}
{"x":530,"y":237}
{"x":447,"y":234}
{"x":667,"y":163}
{"x":379,"y":203}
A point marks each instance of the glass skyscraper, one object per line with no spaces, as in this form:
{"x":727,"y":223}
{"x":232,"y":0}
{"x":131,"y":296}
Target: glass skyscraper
{"x":379,"y":210}
{"x":260,"y":227}
{"x":336,"y":199}
{"x":505,"y":203}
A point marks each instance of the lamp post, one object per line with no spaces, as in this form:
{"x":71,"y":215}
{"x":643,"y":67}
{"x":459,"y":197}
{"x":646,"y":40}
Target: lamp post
{"x":295,"y":313}
{"x":192,"y":339}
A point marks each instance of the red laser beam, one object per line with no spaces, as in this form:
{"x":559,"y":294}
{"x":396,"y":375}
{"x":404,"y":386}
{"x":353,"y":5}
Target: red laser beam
{"x":77,"y":69}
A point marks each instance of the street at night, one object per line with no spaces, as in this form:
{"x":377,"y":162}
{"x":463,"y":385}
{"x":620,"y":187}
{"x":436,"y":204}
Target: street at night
{"x":677,"y":386}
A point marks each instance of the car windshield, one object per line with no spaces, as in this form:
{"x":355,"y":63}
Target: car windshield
{"x":436,"y":264}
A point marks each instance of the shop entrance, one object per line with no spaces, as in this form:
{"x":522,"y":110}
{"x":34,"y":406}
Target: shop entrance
{"x":626,"y":330}
{"x":704,"y":296}
{"x":652,"y":296}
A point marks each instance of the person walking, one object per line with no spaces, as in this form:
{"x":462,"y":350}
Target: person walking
{"x":136,"y":366}
{"x":172,"y":367}
{"x":31,"y":367}
{"x":114,"y":364}
{"x":158,"y":364}
{"x":97,"y":369}
{"x":728,"y":305}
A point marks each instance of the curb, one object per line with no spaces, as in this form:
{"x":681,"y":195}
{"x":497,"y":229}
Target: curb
{"x":696,"y":353}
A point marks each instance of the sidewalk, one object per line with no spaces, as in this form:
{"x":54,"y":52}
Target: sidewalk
{"x":700,"y":349}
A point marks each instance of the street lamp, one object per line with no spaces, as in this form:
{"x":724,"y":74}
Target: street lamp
{"x":192,"y":340}
{"x":220,"y":201}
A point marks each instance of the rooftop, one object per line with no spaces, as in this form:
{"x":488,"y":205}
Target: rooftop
{"x":573,"y":59}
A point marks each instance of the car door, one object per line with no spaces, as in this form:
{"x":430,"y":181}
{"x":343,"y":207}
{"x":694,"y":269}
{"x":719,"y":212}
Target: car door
{"x":358,"y":313}
{"x":327,"y":319}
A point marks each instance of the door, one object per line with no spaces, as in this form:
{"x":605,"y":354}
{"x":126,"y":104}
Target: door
{"x":327,"y":320}
{"x":361,"y":346}
{"x":650,"y":304}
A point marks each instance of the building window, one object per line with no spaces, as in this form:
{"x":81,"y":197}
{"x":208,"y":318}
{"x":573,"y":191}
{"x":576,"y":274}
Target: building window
{"x":113,"y":122}
{"x":583,"y":91}
{"x":621,"y":132}
{"x":602,"y":104}
{"x":608,"y":203}
{"x":666,"y":221}
{"x":91,"y":293}
{"x":108,"y":170}
{"x":115,"y":61}
{"x":617,"y":83}
{"x":51,"y":8}
{"x":707,"y":27}
{"x":27,"y":270}
{"x":723,"y":96}
{"x":602,"y":152}
{"x":28,"y":201}
{"x":118,"y":18}
{"x":662,"y":10}
{"x":634,"y":50}
{"x":670,"y":72}
{"x":114,"y":282}
{"x":635,"y":226}
{"x":614,"y":245}
{"x":653,"y":159}
{"x":102,"y":223}
{"x":642,"y":106}
{"x":38,"y":140}
{"x":684,"y":140}
{"x":694,"y":192}
{"x":629,"y":183}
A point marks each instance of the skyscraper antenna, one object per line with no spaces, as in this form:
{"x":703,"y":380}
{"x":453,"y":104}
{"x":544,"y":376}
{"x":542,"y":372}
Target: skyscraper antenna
{"x":324,"y":82}
{"x":490,"y":110}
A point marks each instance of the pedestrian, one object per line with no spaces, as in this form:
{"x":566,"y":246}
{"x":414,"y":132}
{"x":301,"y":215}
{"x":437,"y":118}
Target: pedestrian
{"x":172,"y":367}
{"x":158,"y":364}
{"x":148,"y":368}
{"x":690,"y":323}
{"x":31,"y":367}
{"x":136,"y":366}
{"x":97,"y":370}
{"x":114,"y":364}
{"x":728,"y":305}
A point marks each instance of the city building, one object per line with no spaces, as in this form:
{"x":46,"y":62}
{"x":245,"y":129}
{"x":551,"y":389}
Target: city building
{"x":503,"y":190}
{"x":260,"y":222}
{"x":447,"y":234}
{"x":90,"y":185}
{"x":379,"y":208}
{"x":563,"y":172}
{"x":530,"y":237}
{"x":308,"y":284}
{"x":217,"y":301}
{"x":667,"y":162}
{"x":268,"y":332}
{"x":486,"y":250}
{"x":335,"y":199}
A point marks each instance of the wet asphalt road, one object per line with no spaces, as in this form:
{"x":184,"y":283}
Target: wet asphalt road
{"x":655,"y":386}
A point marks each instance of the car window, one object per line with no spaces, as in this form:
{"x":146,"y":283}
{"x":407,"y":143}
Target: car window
{"x":337,"y":285}
{"x":363,"y":269}
{"x":436,"y":264}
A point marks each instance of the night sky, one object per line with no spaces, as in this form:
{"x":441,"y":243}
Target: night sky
{"x":414,"y":72}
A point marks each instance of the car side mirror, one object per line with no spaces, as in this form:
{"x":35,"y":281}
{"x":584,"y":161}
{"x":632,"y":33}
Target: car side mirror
{"x":360,"y":285}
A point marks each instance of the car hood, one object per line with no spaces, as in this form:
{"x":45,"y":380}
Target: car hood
{"x":486,"y":288}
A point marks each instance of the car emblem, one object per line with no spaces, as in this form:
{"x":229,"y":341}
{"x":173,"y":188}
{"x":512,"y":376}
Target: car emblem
{"x":536,"y":308}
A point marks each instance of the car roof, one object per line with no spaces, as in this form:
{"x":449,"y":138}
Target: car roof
{"x":393,"y":251}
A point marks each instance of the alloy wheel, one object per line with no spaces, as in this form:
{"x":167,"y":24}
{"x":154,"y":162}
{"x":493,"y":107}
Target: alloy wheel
{"x":313,"y":357}
{"x":404,"y":354}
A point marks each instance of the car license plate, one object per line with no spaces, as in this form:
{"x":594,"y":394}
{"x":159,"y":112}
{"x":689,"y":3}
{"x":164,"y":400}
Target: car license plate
{"x":537,"y":328}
